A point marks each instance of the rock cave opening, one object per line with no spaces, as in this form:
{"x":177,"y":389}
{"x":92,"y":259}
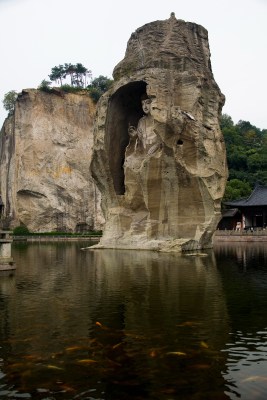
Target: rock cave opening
{"x":124,"y":110}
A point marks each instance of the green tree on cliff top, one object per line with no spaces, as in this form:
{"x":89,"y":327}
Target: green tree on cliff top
{"x":78,"y":74}
{"x":79,"y":78}
{"x":10,"y":100}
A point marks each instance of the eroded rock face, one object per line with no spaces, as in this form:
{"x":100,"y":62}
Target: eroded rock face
{"x":162,"y":169}
{"x":45,"y":155}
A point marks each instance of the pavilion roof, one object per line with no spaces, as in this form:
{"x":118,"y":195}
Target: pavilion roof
{"x":229,"y":212}
{"x":257,"y":198}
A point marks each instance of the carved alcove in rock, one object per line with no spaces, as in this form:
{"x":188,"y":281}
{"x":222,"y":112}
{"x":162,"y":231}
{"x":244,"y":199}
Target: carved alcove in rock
{"x":124,"y":110}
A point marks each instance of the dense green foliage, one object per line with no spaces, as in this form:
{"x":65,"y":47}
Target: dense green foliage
{"x":68,"y":234}
{"x":236,"y":189}
{"x":21,"y":231}
{"x":99,"y":86}
{"x":24,"y":231}
{"x":45,"y":86}
{"x":10,"y":100}
{"x":246,"y":147}
{"x":71,"y":89}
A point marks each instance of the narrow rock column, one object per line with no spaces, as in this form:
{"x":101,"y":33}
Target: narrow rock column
{"x":159,"y":156}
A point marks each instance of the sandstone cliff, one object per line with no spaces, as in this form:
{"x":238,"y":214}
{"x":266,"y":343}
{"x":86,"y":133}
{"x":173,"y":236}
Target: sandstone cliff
{"x":159,"y":155}
{"x":45,"y":154}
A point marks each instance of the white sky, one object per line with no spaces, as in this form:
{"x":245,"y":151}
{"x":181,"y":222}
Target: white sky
{"x":36,"y":35}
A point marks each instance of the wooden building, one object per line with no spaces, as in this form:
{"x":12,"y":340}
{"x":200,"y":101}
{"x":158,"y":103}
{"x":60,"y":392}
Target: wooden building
{"x":249,"y":213}
{"x":230,"y":219}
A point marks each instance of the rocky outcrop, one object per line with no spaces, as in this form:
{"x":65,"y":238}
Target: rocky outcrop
{"x":45,"y":154}
{"x":159,"y":156}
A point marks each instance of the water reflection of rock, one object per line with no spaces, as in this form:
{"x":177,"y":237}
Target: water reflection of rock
{"x":162,"y":304}
{"x":188,"y":287}
{"x":46,"y":293}
{"x":128,"y":311}
{"x":122,"y":289}
{"x":156,"y":321}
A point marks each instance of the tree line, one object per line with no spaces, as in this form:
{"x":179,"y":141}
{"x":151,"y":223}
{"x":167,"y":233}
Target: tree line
{"x":78,"y":74}
{"x":80,"y":79}
{"x":246,"y":149}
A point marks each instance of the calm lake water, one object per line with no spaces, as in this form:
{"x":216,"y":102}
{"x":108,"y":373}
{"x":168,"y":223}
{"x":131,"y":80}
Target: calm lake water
{"x":120,"y":325}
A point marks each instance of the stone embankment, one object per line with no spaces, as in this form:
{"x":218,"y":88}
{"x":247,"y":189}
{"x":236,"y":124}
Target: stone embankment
{"x":258,"y":235}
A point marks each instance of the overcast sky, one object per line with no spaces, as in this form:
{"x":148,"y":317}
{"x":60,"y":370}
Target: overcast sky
{"x":36,"y":35}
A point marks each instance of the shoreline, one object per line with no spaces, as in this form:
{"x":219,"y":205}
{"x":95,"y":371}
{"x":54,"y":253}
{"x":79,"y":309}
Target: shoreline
{"x":62,"y":238}
{"x":239,"y":236}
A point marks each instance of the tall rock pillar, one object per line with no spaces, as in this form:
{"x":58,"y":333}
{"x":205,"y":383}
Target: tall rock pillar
{"x":159,"y":155}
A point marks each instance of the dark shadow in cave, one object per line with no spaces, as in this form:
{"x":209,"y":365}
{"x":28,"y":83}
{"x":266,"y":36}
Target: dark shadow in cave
{"x":124,"y":109}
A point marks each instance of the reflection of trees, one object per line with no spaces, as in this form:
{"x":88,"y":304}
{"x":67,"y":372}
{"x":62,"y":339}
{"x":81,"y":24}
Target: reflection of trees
{"x":243,"y":271}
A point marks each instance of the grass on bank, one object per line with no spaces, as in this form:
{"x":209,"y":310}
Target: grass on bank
{"x":24,"y":231}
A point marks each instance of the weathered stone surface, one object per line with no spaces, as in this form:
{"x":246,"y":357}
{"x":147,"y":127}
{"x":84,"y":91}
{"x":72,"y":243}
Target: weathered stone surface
{"x":45,"y":155}
{"x":162,"y":181}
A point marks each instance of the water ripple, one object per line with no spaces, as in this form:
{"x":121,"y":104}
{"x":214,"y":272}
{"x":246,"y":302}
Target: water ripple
{"x":246,"y":372}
